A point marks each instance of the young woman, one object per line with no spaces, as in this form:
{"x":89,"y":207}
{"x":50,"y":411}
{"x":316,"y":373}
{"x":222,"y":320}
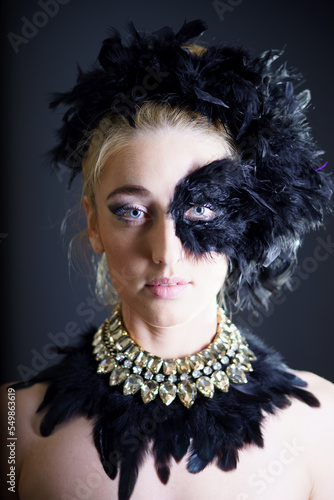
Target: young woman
{"x":200,"y":179}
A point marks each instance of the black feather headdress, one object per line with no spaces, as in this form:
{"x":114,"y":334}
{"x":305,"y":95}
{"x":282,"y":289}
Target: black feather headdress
{"x":266,"y":199}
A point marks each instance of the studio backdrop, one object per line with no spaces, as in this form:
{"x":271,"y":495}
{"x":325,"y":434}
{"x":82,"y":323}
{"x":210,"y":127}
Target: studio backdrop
{"x":44,"y":303}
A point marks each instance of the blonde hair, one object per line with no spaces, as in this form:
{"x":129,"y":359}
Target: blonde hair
{"x":114,"y":134}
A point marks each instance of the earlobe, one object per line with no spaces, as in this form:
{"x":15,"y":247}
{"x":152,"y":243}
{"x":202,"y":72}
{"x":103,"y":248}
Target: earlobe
{"x":92,"y":228}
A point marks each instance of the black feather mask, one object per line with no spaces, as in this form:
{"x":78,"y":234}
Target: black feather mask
{"x":125,"y":429}
{"x":269,"y":197}
{"x":257,"y":223}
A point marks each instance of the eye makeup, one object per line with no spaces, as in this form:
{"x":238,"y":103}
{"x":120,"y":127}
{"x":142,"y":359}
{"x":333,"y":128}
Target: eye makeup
{"x":129,"y":213}
{"x":200,"y":212}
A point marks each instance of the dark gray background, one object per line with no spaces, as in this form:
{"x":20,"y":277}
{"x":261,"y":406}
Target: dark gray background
{"x":38,"y":298}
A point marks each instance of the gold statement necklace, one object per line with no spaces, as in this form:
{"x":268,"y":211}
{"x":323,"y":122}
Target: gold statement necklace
{"x":226,"y":360}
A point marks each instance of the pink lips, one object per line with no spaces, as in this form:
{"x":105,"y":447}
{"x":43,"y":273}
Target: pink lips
{"x":167,"y":288}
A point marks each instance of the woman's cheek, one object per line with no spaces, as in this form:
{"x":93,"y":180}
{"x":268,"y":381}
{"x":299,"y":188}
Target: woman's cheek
{"x":123,"y":266}
{"x":218,"y":270}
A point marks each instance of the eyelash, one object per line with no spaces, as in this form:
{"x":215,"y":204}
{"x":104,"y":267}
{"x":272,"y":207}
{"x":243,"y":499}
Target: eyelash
{"x":121,"y":211}
{"x":209,"y":217}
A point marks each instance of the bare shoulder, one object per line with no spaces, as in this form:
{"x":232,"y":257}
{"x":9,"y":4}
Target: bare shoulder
{"x":19,"y":426}
{"x":320,"y":418}
{"x":24,"y":417}
{"x":321,"y":388}
{"x":26,"y":399}
{"x":316,"y":430}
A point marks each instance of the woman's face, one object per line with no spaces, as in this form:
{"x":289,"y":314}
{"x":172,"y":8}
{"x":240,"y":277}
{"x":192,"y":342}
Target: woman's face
{"x":154,"y":276}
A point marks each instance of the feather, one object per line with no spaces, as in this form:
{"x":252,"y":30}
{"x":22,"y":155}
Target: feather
{"x":305,"y":396}
{"x":128,"y":477}
{"x":204,"y":448}
{"x":274,"y":196}
{"x":163,"y":473}
{"x":190,"y":30}
{"x":209,"y":98}
{"x":254,"y":392}
{"x":213,"y":429}
{"x":110,"y":465}
{"x":228,"y":460}
{"x":162,"y":455}
{"x":196,"y":464}
{"x":180,"y":446}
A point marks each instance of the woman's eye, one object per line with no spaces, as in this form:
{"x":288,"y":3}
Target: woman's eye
{"x":200,"y":212}
{"x":134,"y":213}
{"x":130,"y":214}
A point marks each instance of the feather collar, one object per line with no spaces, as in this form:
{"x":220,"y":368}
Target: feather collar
{"x":212,"y":430}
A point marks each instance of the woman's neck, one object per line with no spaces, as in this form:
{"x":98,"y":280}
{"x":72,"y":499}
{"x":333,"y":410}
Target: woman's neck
{"x":173,"y":341}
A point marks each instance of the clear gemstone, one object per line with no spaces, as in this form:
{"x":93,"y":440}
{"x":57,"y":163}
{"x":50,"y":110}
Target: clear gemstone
{"x":169,"y":367}
{"x":141,"y":359}
{"x":123,"y":343}
{"x":208,"y":356}
{"x":218,"y":344}
{"x":236,"y":374}
{"x":225,"y":360}
{"x":229,"y":327}
{"x":154,"y":364}
{"x":197,"y":373}
{"x":217,"y":366}
{"x":106,"y":365}
{"x":187,"y":393}
{"x":247,"y":367}
{"x":220,"y":380}
{"x":149,"y":390}
{"x":97,"y":338}
{"x":218,"y":349}
{"x":101,"y":354}
{"x":224,"y":340}
{"x":247,"y":352}
{"x":148,"y":375}
{"x":207,"y":370}
{"x":244,"y":362}
{"x":98,"y":348}
{"x":167,"y":392}
{"x":184,"y":376}
{"x":132,"y":352}
{"x":172,"y":378}
{"x":235,"y":337}
{"x":235,"y":346}
{"x":120,"y":356}
{"x":137,"y":369}
{"x":205,"y":386}
{"x":196,"y":362}
{"x":115,"y":323}
{"x":127,"y":363}
{"x":132,"y":384}
{"x":160,"y":377}
{"x":118,"y":334}
{"x":118,"y":375}
{"x":183,"y":365}
{"x":230,"y":353}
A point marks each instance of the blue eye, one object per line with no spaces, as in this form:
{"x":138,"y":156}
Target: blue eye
{"x":129,"y":214}
{"x":134,"y":213}
{"x":200,"y":212}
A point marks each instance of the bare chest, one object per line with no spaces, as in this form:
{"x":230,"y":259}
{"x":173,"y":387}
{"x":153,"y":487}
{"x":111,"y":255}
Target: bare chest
{"x":66,"y":466}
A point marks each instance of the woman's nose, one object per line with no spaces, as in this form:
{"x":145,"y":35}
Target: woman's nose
{"x":166,"y":247}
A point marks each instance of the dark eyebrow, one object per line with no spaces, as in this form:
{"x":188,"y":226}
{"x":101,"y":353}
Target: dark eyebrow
{"x":129,"y":189}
